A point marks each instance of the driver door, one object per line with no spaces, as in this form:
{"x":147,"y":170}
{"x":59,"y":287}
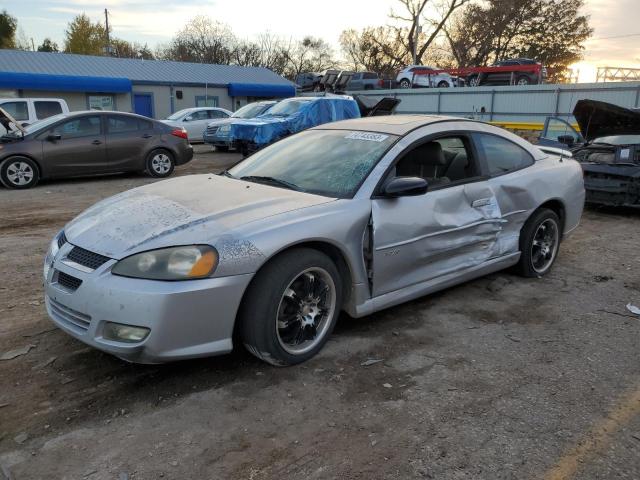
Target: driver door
{"x":453,"y":227}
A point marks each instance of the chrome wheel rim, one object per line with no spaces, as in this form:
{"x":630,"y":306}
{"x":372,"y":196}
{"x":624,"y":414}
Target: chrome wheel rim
{"x":161,"y":163}
{"x":305,"y":311}
{"x":523,"y":81}
{"x":405,"y":84}
{"x":20,"y":173}
{"x":544,"y":246}
{"x":473,"y":82}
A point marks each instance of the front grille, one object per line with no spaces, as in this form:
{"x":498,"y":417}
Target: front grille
{"x":68,"y":316}
{"x":86,"y":258}
{"x":62,"y":239}
{"x":68,"y":282}
{"x":211,"y":130}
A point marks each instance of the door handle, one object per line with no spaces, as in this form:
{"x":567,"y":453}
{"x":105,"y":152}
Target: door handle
{"x":96,"y":142}
{"x":481,"y":202}
{"x":147,"y":135}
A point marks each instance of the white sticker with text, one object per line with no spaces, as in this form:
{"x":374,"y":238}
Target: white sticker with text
{"x":371,"y":137}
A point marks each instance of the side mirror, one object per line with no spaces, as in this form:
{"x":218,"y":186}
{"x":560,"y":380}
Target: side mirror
{"x":188,"y":119}
{"x":566,"y":139}
{"x":405,"y":187}
{"x":54,"y":137}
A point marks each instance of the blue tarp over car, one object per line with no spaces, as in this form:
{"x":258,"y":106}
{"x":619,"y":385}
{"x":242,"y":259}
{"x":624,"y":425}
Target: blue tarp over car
{"x":291,"y":116}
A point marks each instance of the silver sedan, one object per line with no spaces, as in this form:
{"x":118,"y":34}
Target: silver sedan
{"x":352,"y":216}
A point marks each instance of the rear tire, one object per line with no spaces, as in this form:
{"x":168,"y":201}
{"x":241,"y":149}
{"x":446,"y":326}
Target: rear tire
{"x":222,"y":148}
{"x":443,"y":84}
{"x":160,"y":163}
{"x":472,"y":81}
{"x":291,"y":307}
{"x":19,"y":173}
{"x":405,"y":83}
{"x":539,"y":243}
{"x":523,"y":80}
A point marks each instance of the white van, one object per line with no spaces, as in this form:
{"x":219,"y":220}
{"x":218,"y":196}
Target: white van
{"x":30,"y":110}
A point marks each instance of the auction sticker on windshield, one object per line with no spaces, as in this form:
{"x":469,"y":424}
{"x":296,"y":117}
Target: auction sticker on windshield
{"x":372,"y":137}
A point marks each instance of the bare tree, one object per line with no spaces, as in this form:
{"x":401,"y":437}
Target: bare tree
{"x":202,"y":40}
{"x":376,"y":49}
{"x":430,"y":15}
{"x":309,"y":55}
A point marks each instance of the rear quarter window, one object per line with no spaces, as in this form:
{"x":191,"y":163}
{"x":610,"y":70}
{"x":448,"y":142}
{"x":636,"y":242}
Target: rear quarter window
{"x":46,"y":109}
{"x":501,"y":155}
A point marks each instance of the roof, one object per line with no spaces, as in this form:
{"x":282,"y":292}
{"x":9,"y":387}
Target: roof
{"x":391,"y":124}
{"x":138,"y":71}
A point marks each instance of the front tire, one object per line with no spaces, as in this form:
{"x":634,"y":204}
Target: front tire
{"x":473,"y":81}
{"x":523,"y":80}
{"x":443,"y":84}
{"x":19,"y":173}
{"x":539,"y":243}
{"x":405,"y":83}
{"x":160,"y":163}
{"x":291,"y":307}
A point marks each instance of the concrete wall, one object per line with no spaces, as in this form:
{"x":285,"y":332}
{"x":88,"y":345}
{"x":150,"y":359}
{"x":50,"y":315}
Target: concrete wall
{"x":531,"y":104}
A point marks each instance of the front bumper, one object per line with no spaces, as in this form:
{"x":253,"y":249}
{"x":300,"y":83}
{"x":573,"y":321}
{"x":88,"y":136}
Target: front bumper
{"x":217,"y":140}
{"x":187,"y":319}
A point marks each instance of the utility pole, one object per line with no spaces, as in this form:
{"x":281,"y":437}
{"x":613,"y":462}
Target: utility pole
{"x":416,"y":34}
{"x":106,"y":25}
{"x":33,"y":45}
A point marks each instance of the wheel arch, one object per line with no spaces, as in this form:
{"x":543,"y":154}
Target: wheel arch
{"x":18,"y":155}
{"x":557,"y":206}
{"x":330,"y":249}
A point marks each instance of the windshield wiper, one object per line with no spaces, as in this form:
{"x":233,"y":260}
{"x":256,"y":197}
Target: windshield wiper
{"x":271,"y":181}
{"x":226,"y":173}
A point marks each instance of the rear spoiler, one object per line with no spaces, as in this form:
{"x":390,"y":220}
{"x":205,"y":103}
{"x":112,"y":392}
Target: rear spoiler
{"x":556,"y":151}
{"x":10,"y":123}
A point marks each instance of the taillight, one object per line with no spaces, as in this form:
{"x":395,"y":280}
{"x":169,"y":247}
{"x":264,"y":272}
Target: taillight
{"x":180,"y":132}
{"x":381,"y":83}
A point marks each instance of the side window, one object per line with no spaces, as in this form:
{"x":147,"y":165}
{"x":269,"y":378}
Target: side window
{"x":122,"y":124}
{"x":17,"y":110}
{"x":501,"y":155}
{"x":370,"y":76}
{"x":145,"y":125}
{"x":217,"y":114}
{"x":79,"y":127}
{"x":200,"y":115}
{"x":440,"y":161}
{"x":46,"y":109}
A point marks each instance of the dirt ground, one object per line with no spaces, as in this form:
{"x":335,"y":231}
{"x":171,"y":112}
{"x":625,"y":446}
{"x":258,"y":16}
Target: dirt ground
{"x":500,"y":378}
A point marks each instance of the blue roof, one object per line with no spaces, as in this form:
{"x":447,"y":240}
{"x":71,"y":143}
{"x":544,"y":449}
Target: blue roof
{"x":156,"y":72}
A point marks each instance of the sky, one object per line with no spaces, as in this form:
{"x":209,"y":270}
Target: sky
{"x":156,"y":21}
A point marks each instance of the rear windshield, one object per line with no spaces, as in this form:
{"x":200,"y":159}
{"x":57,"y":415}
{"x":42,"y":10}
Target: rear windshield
{"x":179,"y":114}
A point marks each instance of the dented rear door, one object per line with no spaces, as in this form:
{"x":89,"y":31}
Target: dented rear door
{"x":420,"y":238}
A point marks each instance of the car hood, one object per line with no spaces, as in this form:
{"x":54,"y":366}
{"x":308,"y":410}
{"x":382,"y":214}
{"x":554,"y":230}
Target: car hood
{"x":601,"y":119}
{"x":194,"y":209}
{"x":220,"y":122}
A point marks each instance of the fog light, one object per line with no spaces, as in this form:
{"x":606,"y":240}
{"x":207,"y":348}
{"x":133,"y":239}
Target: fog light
{"x":124,"y":333}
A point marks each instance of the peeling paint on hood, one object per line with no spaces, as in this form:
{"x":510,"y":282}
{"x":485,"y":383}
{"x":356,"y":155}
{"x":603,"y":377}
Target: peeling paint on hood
{"x":181,"y":211}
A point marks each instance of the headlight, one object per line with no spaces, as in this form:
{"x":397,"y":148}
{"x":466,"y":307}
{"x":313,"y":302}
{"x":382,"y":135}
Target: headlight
{"x":53,"y":250}
{"x":176,"y":263}
{"x":224,"y":129}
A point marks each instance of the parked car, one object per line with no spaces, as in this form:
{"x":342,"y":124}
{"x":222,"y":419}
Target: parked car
{"x":504,"y":76}
{"x":365,"y":81}
{"x":29,"y":110}
{"x":408,"y":78}
{"x":354,"y":216}
{"x":607,"y":147}
{"x":195,"y":120}
{"x":218,"y":131}
{"x":308,"y":81}
{"x":90,"y":143}
{"x":289,"y":116}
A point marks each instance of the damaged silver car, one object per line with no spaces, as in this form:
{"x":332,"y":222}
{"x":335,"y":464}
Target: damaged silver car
{"x":353,"y":216}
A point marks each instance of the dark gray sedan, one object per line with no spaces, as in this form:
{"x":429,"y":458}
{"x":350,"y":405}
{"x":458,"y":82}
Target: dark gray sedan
{"x":91,"y":143}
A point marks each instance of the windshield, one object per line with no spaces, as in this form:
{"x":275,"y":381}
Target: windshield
{"x":41,"y":124}
{"x":332,"y":163}
{"x":179,"y":114}
{"x":283,"y":109}
{"x":619,"y":140}
{"x":251,"y":110}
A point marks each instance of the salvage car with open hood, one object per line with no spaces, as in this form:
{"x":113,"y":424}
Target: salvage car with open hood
{"x":608,"y":147}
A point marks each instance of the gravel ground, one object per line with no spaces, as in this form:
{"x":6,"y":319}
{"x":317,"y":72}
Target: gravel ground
{"x":499,"y":378}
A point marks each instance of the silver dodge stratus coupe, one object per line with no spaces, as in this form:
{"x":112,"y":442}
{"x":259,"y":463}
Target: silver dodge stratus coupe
{"x":352,"y":216}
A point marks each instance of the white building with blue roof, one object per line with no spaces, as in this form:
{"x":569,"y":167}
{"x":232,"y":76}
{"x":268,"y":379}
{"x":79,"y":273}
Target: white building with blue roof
{"x":155,"y":88}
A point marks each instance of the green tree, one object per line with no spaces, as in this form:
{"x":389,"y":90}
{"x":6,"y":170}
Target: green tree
{"x":48,"y":46}
{"x":124,"y":49}
{"x":8,"y":26}
{"x":85,"y":37}
{"x":550,"y":31}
